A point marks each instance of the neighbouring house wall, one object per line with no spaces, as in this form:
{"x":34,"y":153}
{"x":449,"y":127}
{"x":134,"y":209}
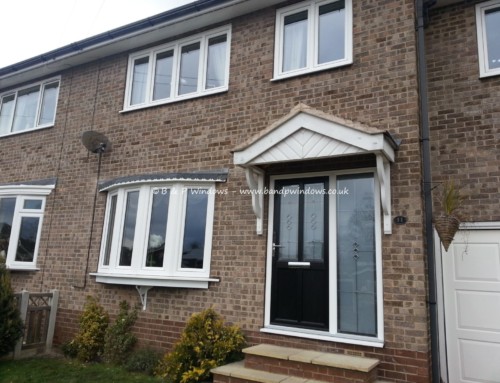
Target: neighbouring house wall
{"x":379,"y":89}
{"x":464,"y":113}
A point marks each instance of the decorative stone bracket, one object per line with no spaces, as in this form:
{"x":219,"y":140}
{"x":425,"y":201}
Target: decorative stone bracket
{"x":255,"y":181}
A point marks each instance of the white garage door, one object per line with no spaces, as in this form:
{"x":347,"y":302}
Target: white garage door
{"x":471,"y":285}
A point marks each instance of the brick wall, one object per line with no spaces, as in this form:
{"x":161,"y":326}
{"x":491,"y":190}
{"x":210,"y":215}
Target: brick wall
{"x":379,"y":89}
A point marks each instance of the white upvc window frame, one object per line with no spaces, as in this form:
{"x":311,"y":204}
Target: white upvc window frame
{"x":15,"y":92}
{"x":312,"y":65}
{"x":21,"y":194}
{"x":482,"y":38}
{"x":332,"y":335}
{"x":176,"y":46}
{"x":171,"y":274}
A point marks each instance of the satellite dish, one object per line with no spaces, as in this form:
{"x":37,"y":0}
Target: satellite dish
{"x":95,"y":142}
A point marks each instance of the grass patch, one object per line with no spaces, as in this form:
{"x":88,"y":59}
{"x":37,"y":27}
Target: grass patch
{"x":59,"y":370}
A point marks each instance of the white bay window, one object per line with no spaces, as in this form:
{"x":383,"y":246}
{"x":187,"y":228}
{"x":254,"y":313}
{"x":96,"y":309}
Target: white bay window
{"x":21,"y":216}
{"x":158,"y":235}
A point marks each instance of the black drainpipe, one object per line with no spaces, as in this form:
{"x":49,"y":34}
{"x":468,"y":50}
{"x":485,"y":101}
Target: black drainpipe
{"x":421,"y":8}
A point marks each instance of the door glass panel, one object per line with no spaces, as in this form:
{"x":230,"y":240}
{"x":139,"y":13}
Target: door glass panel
{"x":7,"y":206}
{"x":26,"y":106}
{"x":139,"y":81}
{"x":295,"y":41}
{"x":158,"y":229}
{"x":6,"y":112}
{"x":289,"y":223}
{"x":27,"y":239}
{"x":331,"y":32}
{"x":110,"y":231}
{"x":314,"y":222}
{"x":193,"y":246}
{"x":190,"y":58}
{"x":129,"y":229}
{"x":163,"y":75}
{"x":356,"y":255}
{"x":492,"y":20}
{"x":48,"y":111}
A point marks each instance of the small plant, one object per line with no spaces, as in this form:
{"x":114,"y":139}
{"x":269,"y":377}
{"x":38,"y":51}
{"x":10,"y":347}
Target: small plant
{"x":143,"y":360}
{"x":451,"y":199}
{"x":89,"y":342}
{"x":11,"y":324}
{"x":119,"y":340}
{"x":205,"y":343}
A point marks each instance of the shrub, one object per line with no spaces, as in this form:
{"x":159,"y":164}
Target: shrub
{"x":205,"y":344}
{"x":143,"y":360}
{"x":89,"y":342}
{"x":11,"y":324}
{"x":119,"y":340}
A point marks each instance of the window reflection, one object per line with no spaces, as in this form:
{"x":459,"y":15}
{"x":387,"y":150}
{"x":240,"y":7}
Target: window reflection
{"x":193,"y":246}
{"x":129,"y":229}
{"x":157,"y":230}
{"x":27,"y":239}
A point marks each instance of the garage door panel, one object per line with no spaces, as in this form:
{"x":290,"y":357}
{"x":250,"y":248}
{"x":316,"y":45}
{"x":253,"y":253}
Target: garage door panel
{"x":479,"y":361}
{"x":471,"y":289}
{"x":477,"y":262}
{"x":478,"y":310}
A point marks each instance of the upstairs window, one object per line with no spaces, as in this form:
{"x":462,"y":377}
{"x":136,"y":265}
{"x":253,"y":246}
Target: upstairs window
{"x":28,"y":108}
{"x":189,"y":68}
{"x":488,"y":34}
{"x":312,"y":36}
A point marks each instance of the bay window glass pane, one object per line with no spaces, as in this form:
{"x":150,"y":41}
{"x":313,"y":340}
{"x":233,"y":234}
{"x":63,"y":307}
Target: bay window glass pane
{"x":139,"y":81}
{"x":6,"y":112}
{"x":26,"y":107}
{"x":157,"y":229}
{"x":190,"y":58}
{"x":216,"y":65}
{"x":314,"y":222}
{"x":34,"y":204}
{"x":48,"y":109}
{"x":109,"y":230}
{"x":357,"y":294}
{"x":7,"y":206}
{"x":163,"y":75}
{"x":331,"y":32}
{"x":129,"y":229}
{"x":295,"y":41}
{"x":27,"y":239}
{"x":289,"y":223}
{"x":492,"y":21}
{"x":193,"y":245}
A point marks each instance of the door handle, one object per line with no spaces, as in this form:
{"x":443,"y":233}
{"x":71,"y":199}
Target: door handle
{"x":275,"y":246}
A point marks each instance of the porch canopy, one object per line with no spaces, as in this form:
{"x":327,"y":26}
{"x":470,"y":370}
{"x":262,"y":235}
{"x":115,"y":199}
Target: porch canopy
{"x":307,"y":134}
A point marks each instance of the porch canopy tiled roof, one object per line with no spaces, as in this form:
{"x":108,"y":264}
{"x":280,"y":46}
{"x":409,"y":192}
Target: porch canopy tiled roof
{"x":305,"y":134}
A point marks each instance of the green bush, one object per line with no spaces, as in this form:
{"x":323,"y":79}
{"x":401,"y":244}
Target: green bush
{"x":143,"y":360}
{"x":119,"y":340}
{"x":89,"y":342}
{"x":205,"y":344}
{"x":11,"y":325}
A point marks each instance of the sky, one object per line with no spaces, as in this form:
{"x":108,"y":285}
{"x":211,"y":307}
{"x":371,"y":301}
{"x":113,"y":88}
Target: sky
{"x":32,"y":27}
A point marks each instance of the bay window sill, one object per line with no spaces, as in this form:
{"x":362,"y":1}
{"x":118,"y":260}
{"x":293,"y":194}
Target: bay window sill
{"x":154,"y":280}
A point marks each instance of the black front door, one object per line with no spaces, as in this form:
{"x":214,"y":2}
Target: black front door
{"x":299,"y":284}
